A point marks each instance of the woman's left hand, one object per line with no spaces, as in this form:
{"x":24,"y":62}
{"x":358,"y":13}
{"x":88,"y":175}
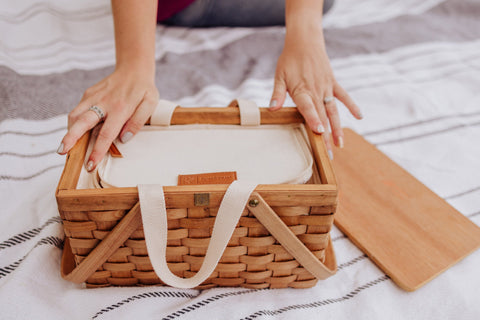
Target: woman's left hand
{"x":304,"y":71}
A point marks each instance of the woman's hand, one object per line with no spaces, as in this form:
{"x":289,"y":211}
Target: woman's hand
{"x":304,"y":71}
{"x":127,"y":97}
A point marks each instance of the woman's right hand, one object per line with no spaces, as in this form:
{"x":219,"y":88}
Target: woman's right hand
{"x":127,"y":98}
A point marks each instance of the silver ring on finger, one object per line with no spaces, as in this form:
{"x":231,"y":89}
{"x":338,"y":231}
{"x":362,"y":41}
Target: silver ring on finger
{"x":98,"y":111}
{"x":328,"y":99}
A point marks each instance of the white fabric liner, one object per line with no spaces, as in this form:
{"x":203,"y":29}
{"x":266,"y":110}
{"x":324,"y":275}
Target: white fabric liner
{"x":270,"y":154}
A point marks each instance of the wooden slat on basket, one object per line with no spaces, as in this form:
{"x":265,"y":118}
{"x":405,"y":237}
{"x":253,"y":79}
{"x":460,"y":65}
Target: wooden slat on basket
{"x":183,"y":196}
{"x":73,"y":164}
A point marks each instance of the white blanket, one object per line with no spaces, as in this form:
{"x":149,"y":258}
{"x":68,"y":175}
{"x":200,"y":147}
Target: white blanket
{"x":413,"y":68}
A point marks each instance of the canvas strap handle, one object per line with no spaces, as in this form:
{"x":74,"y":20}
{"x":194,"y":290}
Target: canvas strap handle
{"x":154,"y":216}
{"x":162,"y":115}
{"x":249,"y":112}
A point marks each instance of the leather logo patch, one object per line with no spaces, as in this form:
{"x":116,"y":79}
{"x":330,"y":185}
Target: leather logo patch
{"x":207,"y":178}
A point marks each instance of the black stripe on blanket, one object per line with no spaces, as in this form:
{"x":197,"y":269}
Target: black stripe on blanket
{"x":417,"y":123}
{"x":157,"y":294}
{"x":16,"y":178}
{"x":471,"y":215}
{"x":204,"y":302}
{"x":34,"y":134}
{"x":54,"y":241}
{"x":21,"y":155}
{"x":400,"y":80}
{"x":352,"y":262}
{"x":340,"y":237}
{"x":463,"y":193}
{"x":40,"y":8}
{"x":27,"y":235}
{"x":427,"y":134}
{"x":317,"y":304}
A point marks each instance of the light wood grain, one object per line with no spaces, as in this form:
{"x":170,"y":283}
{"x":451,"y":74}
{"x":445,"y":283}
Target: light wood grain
{"x":73,"y":164}
{"x":183,"y":196}
{"x":322,"y":160}
{"x":229,"y":115}
{"x":407,"y":230}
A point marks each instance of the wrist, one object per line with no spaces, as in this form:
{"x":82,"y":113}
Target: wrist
{"x":306,"y":14}
{"x":304,"y":25}
{"x":136,"y":67}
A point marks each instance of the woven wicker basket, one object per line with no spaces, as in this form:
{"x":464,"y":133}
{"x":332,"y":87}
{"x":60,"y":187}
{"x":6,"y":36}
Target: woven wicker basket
{"x":105,"y":242}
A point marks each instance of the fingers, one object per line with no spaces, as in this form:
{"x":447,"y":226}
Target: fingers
{"x":343,"y":96}
{"x":89,"y":98}
{"x":138,"y":119}
{"x":320,"y":109}
{"x":83,"y":123}
{"x":306,"y":106}
{"x":315,"y":116}
{"x":328,"y":144}
{"x":279,"y":94}
{"x":334,"y":119}
{"x":108,"y":133}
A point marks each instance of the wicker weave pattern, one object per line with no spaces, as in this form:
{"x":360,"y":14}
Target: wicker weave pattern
{"x":253,"y":258}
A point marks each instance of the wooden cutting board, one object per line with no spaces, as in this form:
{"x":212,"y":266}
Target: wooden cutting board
{"x":407,"y":230}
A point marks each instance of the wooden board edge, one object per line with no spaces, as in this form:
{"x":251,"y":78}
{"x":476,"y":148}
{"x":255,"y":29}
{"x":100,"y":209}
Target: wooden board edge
{"x":321,"y":157}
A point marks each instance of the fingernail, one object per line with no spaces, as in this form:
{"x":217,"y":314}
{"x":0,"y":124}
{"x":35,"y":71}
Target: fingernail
{"x":320,"y":129}
{"x":340,"y":142}
{"x":330,"y":154}
{"x":360,"y":114}
{"x":126,"y":136}
{"x":60,"y":148}
{"x":273,"y":103}
{"x":89,"y":166}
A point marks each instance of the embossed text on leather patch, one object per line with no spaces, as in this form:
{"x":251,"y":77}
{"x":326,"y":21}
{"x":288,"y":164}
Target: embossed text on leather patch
{"x":207,"y":178}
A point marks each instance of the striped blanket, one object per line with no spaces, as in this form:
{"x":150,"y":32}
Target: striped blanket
{"x":413,"y":67}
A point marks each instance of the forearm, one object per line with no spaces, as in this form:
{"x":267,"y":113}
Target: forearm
{"x":135,"y":24}
{"x":303,"y":18}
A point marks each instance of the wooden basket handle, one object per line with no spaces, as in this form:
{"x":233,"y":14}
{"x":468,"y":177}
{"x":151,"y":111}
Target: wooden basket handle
{"x":277,"y":228}
{"x":115,"y":238}
{"x":249,"y":112}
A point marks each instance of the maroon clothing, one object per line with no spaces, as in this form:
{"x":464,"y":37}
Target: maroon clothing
{"x":167,"y":8}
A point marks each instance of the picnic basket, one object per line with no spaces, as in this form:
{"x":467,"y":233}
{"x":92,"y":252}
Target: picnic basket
{"x":281,"y":239}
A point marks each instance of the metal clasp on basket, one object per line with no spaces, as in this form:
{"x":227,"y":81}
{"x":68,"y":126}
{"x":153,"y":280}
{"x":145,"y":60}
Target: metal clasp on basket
{"x":201,"y":199}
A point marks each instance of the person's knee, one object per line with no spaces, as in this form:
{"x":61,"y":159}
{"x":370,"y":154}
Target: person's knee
{"x":327,"y":5}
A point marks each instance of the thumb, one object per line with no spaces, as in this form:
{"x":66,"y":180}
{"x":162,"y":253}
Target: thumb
{"x":279,"y":94}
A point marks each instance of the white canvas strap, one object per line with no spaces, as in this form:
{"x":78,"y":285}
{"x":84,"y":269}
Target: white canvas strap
{"x":162,"y":116}
{"x":154,"y":217}
{"x":249,"y":112}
